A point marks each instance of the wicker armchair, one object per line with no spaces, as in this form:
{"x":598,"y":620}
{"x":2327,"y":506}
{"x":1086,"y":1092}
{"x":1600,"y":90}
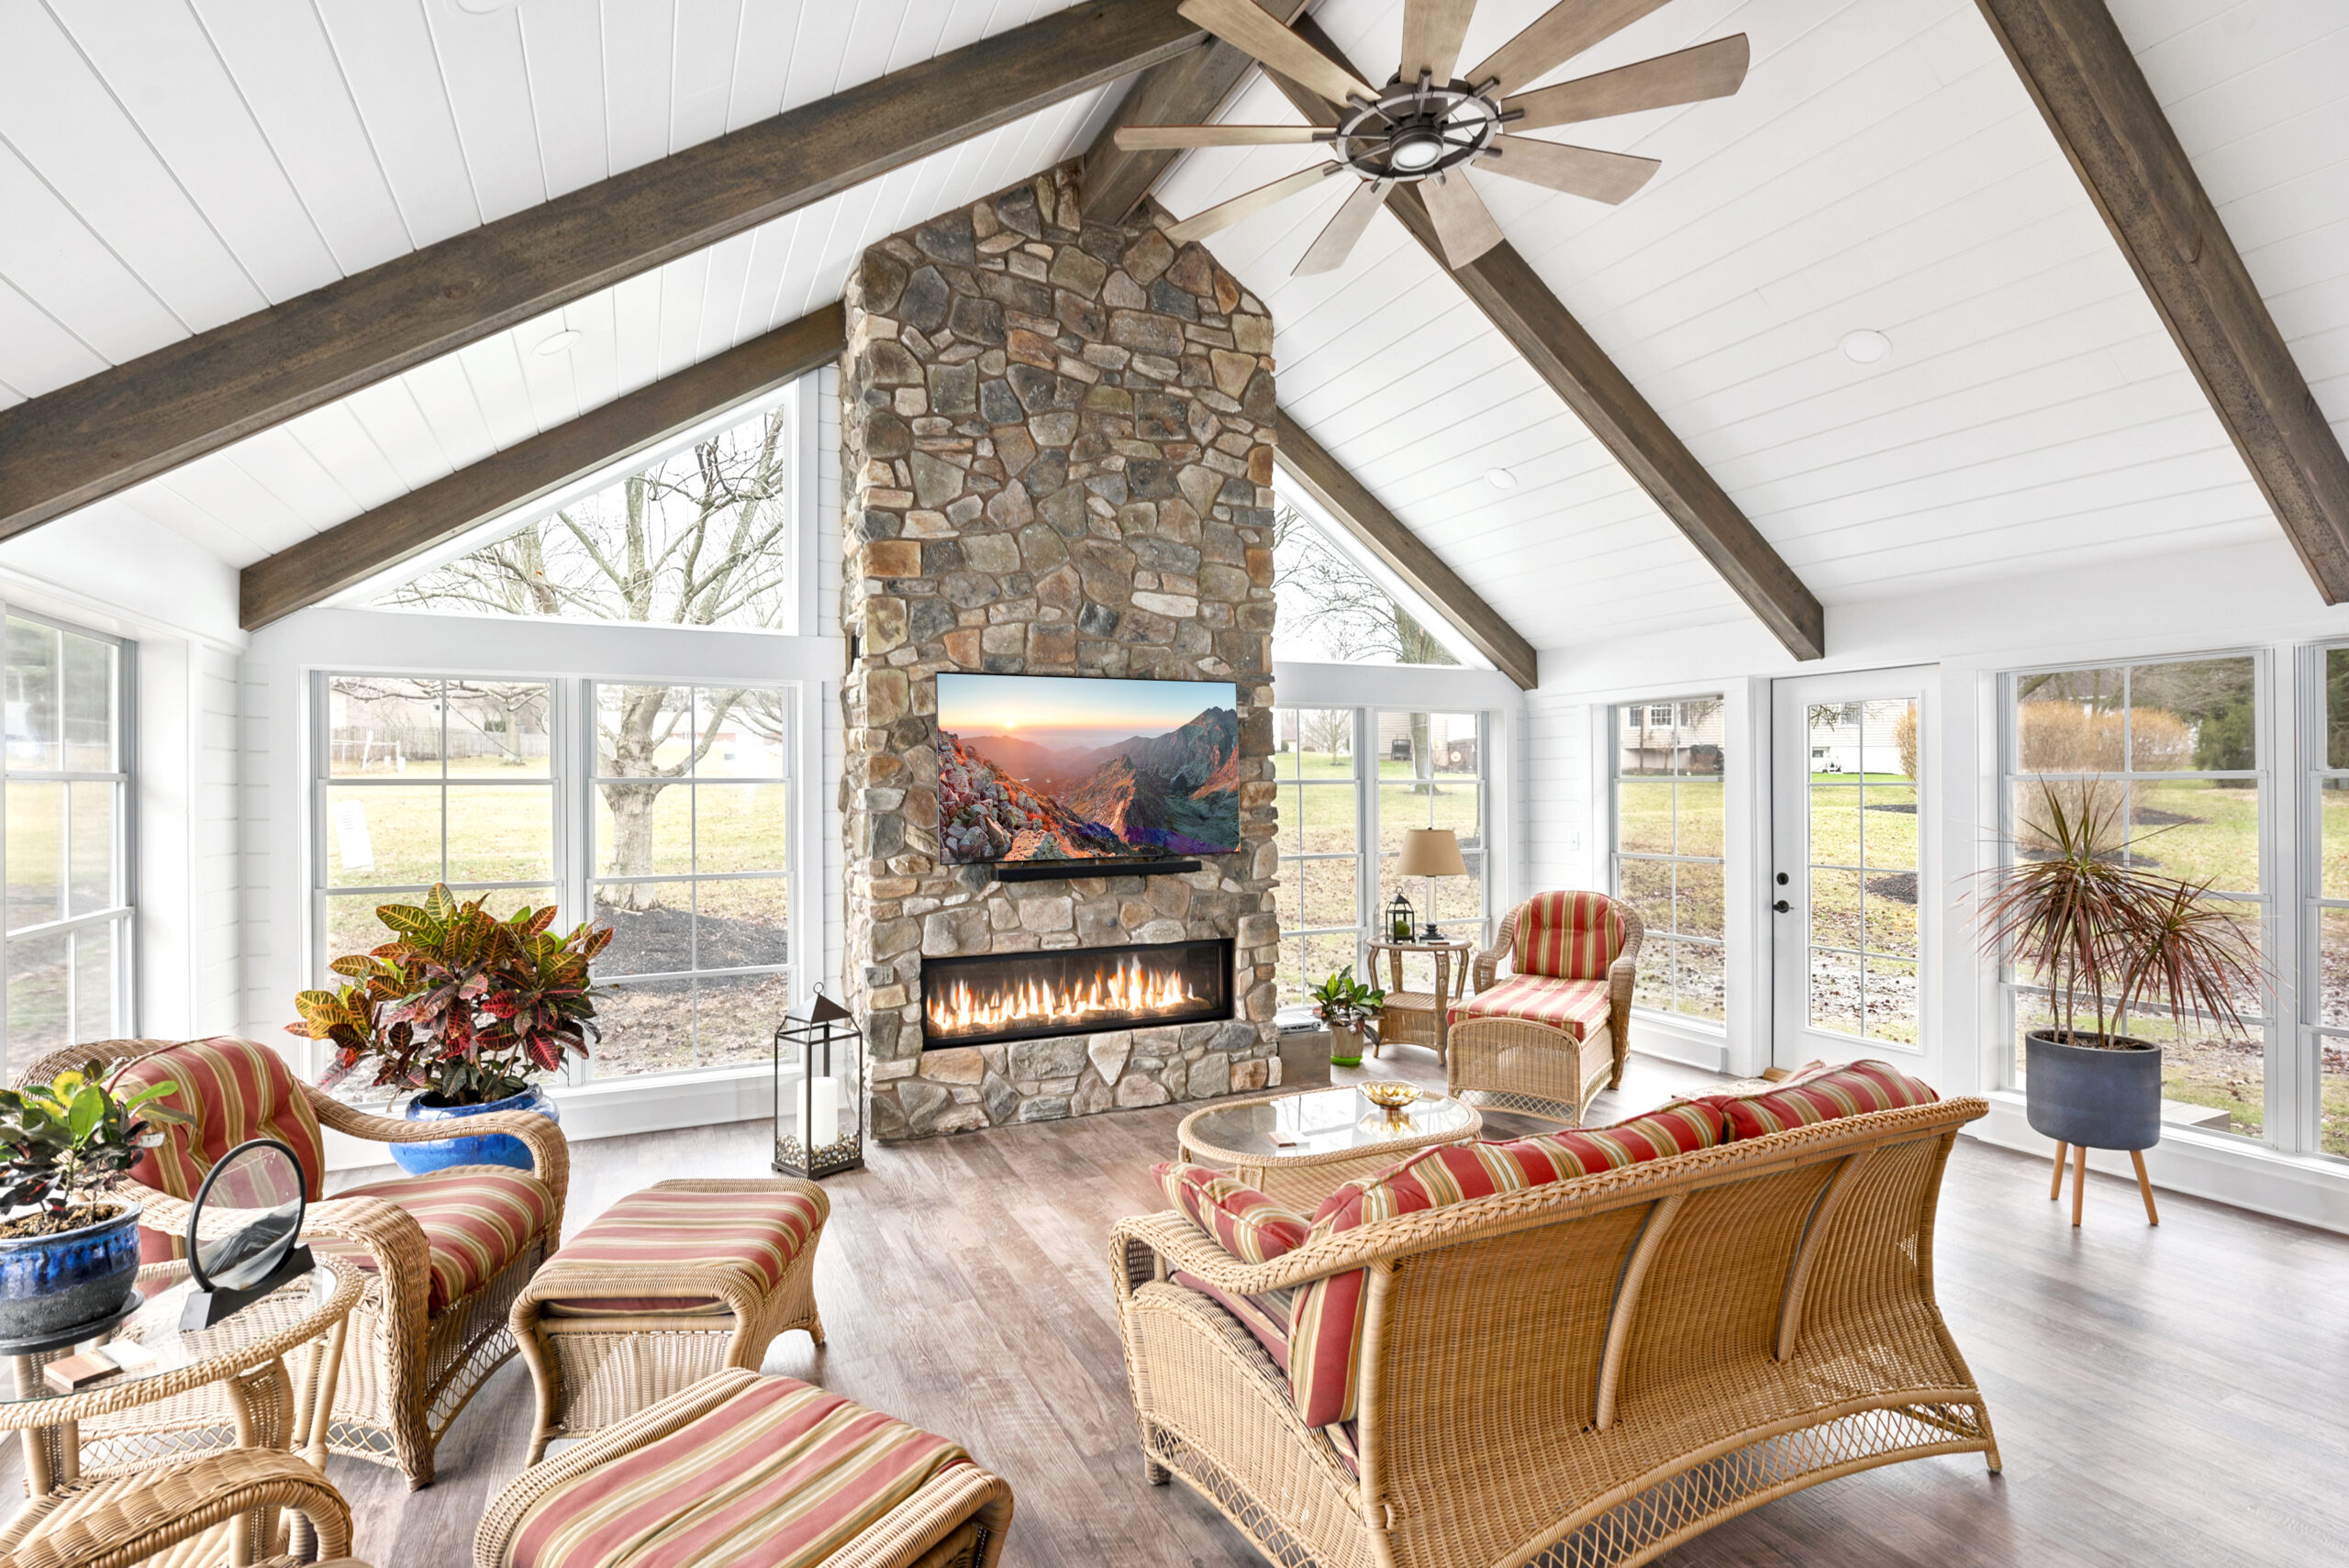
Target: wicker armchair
{"x":411,"y":1366}
{"x":1573,"y":961}
{"x":1588,"y":1372}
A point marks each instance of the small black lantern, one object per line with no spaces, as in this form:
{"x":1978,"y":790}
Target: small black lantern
{"x":829,"y":1049}
{"x":1402,"y":921}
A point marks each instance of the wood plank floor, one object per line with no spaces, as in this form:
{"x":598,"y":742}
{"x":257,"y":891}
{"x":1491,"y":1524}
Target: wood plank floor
{"x":2178,"y":1396}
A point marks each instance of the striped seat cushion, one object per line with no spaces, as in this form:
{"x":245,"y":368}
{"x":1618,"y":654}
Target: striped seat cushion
{"x":1572,"y":1007}
{"x":1325,"y":1326}
{"x":752,"y":1235}
{"x":783,"y":1476}
{"x":1266,"y":1316}
{"x":233,"y":1090}
{"x":1819,"y":1092}
{"x":1568,"y":936}
{"x":476,"y":1219}
{"x":1244,"y":1222}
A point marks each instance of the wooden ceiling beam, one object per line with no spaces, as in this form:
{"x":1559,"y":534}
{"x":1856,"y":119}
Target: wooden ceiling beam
{"x":1385,"y":535}
{"x":348,"y":554}
{"x":1514,"y":298}
{"x":2080,"y":72}
{"x":106,"y":432}
{"x":1186,"y":89}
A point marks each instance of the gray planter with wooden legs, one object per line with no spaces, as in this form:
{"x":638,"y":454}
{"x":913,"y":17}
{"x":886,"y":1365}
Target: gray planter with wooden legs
{"x":2094,"y":1096}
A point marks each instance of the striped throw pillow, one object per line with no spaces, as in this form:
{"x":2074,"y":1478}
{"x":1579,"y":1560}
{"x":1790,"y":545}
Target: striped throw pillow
{"x":1243,"y":1221}
{"x":1821,"y":1092}
{"x":1325,"y":1327}
{"x":234,"y":1090}
{"x":1571,"y":936}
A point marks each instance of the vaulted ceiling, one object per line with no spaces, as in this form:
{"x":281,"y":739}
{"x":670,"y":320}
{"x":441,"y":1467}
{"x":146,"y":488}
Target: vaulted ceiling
{"x":169,"y":165}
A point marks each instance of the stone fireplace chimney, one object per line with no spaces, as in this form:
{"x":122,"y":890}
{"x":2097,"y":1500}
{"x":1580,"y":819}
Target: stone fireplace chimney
{"x":1058,"y":453}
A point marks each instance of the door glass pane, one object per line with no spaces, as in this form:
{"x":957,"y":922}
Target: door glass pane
{"x":1889,"y":911}
{"x":1835,"y":910}
{"x":36,"y":844}
{"x":95,"y":985}
{"x":384,"y":838}
{"x":91,"y":859}
{"x":1891,"y":999}
{"x":1835,"y":822}
{"x":383,"y":728}
{"x":1835,"y":992}
{"x":89,"y":719}
{"x":1889,"y":827}
{"x":34,"y":661}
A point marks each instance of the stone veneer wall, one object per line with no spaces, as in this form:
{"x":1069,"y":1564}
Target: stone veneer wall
{"x":1057,"y":452}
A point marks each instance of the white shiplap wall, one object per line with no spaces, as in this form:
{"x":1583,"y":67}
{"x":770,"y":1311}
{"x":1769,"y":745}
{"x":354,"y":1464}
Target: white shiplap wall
{"x":1560,"y":780}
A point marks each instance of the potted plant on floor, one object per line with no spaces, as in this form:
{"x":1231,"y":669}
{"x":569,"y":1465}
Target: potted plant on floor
{"x":1345,"y":1005}
{"x":2110,"y":940}
{"x":68,"y":1252}
{"x":465,"y":1008}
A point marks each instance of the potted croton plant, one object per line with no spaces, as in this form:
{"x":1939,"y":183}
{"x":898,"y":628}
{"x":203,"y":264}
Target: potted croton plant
{"x":1345,"y":1005}
{"x":465,"y":1009}
{"x":68,"y":1252}
{"x":2110,"y":940}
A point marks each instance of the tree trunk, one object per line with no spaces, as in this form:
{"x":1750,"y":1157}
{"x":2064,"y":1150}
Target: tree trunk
{"x":632,"y":809}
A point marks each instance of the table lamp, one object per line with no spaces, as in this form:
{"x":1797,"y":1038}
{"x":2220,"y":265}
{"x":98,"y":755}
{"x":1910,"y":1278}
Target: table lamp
{"x":1431,"y":852}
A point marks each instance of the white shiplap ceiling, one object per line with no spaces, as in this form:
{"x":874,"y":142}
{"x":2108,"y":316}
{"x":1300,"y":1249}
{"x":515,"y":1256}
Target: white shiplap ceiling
{"x":166,"y":165}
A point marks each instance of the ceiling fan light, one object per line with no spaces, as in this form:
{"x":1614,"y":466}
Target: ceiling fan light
{"x":1866,"y":347}
{"x":1500,"y":479}
{"x":1415,"y":151}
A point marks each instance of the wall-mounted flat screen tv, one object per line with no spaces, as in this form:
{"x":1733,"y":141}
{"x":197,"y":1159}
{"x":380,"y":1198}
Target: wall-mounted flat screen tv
{"x":1062,"y":768}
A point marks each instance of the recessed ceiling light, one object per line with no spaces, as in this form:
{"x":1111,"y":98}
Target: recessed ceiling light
{"x":1500,"y":479}
{"x":559,"y":343}
{"x":1864,"y":346}
{"x":485,"y":7}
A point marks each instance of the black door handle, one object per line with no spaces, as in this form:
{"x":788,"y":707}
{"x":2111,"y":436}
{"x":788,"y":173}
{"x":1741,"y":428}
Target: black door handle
{"x":1782,"y":906}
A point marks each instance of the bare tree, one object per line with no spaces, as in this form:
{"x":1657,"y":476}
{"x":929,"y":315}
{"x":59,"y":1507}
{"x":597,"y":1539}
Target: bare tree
{"x":701,"y":539}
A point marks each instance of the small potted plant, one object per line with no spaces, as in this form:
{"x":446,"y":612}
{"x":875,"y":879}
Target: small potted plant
{"x":1345,"y":1005}
{"x":2109,"y":939}
{"x":465,"y":1009}
{"x":68,"y":1251}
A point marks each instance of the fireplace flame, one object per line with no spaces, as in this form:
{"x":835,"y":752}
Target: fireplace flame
{"x":1132,"y":990}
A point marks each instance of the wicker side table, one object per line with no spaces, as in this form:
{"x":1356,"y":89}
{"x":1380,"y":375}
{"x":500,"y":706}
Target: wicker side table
{"x":1421,"y":1018}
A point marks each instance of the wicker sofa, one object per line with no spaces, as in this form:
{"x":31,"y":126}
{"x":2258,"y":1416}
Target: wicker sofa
{"x":1585,"y":1372}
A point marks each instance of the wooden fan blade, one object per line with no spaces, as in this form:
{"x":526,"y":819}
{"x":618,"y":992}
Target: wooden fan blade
{"x":1608,"y":177}
{"x":1709,"y":71}
{"x":1462,"y":219}
{"x":1431,"y":33}
{"x":1150,"y":138}
{"x":1553,"y":38}
{"x":1223,"y":215}
{"x":1244,"y":24}
{"x":1336,"y":242}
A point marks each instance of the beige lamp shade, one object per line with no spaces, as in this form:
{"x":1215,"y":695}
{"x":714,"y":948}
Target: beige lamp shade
{"x":1431,"y":851}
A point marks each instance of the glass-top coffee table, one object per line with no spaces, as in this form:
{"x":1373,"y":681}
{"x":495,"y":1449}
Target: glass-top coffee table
{"x":1298,"y":1148}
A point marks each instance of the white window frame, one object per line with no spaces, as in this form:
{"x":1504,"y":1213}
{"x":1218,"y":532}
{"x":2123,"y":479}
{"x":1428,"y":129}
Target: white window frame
{"x":122,"y":915}
{"x":1375,"y":912}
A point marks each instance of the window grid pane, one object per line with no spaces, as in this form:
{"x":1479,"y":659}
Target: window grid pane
{"x":1666,"y":859}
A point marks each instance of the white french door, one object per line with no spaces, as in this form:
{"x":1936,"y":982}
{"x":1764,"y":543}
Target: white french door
{"x":1849,"y":917}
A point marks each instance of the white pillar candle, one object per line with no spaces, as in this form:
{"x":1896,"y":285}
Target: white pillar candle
{"x":823,"y":1113}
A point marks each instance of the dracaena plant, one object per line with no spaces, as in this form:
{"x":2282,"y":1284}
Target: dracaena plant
{"x":2108,"y":937}
{"x":459,"y":1001}
{"x":66,"y":1143}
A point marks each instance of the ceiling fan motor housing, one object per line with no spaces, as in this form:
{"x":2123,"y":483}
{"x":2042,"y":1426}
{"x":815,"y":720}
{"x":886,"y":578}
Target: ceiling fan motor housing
{"x":1417,"y":129}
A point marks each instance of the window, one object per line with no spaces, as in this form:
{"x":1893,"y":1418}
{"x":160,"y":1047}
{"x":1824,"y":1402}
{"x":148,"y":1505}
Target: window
{"x":1431,"y":775}
{"x":1321,"y":800}
{"x":664,"y":811}
{"x":2327,"y":986}
{"x":1332,"y":611}
{"x":2174,"y":753}
{"x":67,"y":836}
{"x":701,"y":538}
{"x":1667,"y":859}
{"x":692,"y":860}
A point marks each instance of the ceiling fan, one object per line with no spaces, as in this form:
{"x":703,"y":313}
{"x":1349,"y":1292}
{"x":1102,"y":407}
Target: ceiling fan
{"x":1429,"y":125}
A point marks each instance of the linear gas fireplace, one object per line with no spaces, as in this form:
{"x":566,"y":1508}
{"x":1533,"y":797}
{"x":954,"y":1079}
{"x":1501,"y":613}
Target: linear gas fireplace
{"x":1024,"y":995}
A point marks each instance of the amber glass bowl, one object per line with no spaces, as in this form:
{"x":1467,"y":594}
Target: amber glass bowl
{"x":1389,"y":1094}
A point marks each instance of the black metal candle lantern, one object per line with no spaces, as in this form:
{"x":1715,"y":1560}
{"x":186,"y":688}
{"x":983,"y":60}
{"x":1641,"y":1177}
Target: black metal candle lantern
{"x":830,"y":1048}
{"x":1402,"y":923}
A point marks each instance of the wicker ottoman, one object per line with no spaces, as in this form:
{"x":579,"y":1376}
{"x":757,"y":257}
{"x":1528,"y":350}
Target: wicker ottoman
{"x":741,"y":1469}
{"x":672,"y":1283}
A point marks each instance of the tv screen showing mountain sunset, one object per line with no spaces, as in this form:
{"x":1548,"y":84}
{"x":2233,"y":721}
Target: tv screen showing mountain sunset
{"x":1057,"y":767}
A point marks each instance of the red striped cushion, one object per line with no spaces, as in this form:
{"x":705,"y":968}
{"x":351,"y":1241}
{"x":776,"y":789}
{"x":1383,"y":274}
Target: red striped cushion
{"x":235,"y":1090}
{"x":754,"y":1235}
{"x":1573,"y":1006}
{"x":1244,"y":1222}
{"x":782,"y":1476}
{"x":1267,"y":1316}
{"x":1821,"y":1092}
{"x":1325,"y":1328}
{"x":476,"y":1219}
{"x":1573,"y":935}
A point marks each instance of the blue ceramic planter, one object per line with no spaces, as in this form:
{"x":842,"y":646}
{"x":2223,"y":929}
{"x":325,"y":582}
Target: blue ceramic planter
{"x":496,"y":1148}
{"x":50,"y":1283}
{"x":2095,"y":1097}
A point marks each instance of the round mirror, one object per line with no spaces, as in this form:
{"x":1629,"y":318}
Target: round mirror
{"x":251,"y":1202}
